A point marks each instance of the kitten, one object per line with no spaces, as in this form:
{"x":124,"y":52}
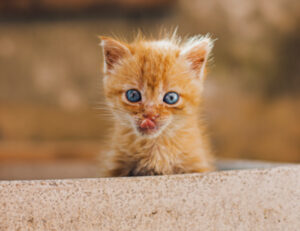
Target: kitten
{"x":153,"y":88}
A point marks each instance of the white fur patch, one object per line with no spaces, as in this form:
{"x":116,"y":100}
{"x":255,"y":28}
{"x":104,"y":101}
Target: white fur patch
{"x":102,"y":44}
{"x":203,"y":42}
{"x":162,"y":44}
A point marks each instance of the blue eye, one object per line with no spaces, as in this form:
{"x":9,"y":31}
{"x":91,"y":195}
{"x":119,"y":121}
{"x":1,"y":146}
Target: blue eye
{"x":171,"y":97}
{"x":133,"y":95}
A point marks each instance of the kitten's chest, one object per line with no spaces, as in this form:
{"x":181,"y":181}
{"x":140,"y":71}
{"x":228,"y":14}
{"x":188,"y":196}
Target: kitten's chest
{"x":154,"y":159}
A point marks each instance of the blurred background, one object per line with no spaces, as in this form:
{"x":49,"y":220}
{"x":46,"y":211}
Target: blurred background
{"x":50,"y":78}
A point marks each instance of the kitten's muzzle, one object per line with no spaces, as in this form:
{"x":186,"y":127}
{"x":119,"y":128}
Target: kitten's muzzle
{"x":147,"y":124}
{"x":151,"y":116}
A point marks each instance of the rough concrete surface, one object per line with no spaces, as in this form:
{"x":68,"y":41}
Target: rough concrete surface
{"x":267,"y":199}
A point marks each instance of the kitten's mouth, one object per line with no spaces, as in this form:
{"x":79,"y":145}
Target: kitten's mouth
{"x":148,"y":126}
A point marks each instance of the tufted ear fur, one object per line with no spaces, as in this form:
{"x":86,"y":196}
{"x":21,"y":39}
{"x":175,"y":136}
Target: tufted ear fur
{"x":113,"y":52}
{"x":196,"y":51}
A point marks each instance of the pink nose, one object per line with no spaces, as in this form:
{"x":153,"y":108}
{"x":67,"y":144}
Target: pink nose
{"x":147,"y":124}
{"x":151,"y":116}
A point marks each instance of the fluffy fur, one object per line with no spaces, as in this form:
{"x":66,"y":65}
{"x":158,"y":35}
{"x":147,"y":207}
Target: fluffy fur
{"x":154,"y":67}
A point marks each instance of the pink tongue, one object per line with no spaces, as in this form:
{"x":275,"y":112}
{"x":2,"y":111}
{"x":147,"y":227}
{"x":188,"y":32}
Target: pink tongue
{"x":147,"y":123}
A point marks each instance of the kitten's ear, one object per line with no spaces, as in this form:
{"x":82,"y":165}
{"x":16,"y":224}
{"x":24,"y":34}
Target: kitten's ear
{"x":113,"y":51}
{"x":196,"y":51}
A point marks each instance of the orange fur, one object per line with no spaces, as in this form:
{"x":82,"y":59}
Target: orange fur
{"x":179,"y":144}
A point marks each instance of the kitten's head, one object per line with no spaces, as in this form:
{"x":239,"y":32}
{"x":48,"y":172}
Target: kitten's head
{"x":153,"y":86}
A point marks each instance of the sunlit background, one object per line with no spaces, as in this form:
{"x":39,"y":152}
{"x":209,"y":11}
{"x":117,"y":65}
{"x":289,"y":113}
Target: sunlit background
{"x":50,"y":79}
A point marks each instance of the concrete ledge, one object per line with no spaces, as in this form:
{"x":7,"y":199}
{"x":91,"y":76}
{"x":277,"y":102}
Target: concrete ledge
{"x":267,"y":199}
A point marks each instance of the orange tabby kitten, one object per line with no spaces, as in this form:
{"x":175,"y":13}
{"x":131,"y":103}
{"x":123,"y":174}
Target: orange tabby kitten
{"x":153,"y":89}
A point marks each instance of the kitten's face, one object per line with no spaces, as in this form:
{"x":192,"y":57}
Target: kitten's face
{"x":152,"y":88}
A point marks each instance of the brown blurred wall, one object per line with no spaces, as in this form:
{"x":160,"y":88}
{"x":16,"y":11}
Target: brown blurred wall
{"x":50,"y":79}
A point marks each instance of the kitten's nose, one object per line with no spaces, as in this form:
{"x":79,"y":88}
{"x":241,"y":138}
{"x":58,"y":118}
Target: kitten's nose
{"x":151,"y":115}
